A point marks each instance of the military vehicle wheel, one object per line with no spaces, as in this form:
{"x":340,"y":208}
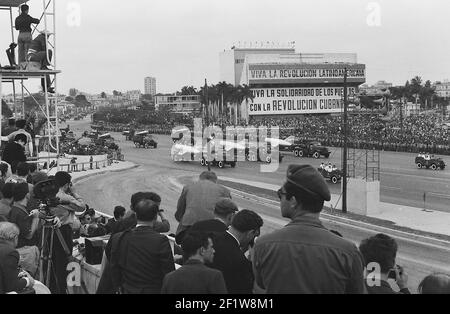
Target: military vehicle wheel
{"x":220,"y":164}
{"x":137,"y":145}
{"x":334,"y":179}
{"x":300,"y":153}
{"x":202,"y":161}
{"x":296,"y":153}
{"x":433,"y":167}
{"x":252,"y":157}
{"x":268,"y":159}
{"x":316,"y":155}
{"x":146,"y":146}
{"x":419,"y":165}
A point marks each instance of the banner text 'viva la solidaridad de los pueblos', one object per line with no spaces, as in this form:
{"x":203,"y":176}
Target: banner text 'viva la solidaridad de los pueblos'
{"x":302,"y":100}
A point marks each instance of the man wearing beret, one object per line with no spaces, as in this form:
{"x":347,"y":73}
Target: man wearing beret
{"x":304,"y":256}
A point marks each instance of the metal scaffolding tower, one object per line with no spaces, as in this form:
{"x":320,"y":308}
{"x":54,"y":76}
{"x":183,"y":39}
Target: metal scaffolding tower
{"x":28,"y":70}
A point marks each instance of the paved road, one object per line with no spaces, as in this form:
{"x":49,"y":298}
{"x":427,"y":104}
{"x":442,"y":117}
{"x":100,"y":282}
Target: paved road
{"x":157,"y":173}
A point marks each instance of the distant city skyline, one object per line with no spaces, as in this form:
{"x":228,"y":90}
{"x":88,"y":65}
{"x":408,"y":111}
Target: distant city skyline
{"x":108,"y":48}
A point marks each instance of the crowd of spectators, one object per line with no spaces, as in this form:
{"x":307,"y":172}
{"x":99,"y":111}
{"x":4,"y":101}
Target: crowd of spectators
{"x":219,"y":248}
{"x":415,"y":133}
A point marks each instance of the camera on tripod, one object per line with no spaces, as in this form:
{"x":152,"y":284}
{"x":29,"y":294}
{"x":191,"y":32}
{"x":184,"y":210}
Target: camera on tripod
{"x":45,"y":192}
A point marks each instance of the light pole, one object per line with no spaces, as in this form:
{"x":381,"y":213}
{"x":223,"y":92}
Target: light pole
{"x":344,"y":162}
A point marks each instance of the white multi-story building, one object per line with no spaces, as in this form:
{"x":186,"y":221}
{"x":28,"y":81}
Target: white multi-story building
{"x":150,"y":86}
{"x":443,"y":89}
{"x":133,"y":95}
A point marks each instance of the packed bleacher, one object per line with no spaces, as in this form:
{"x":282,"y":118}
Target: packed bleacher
{"x":411,"y":134}
{"x":415,"y":133}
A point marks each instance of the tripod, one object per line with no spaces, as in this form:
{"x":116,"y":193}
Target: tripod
{"x":46,"y":259}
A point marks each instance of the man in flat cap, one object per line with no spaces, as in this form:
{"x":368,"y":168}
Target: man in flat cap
{"x":224,"y":211}
{"x":304,"y":256}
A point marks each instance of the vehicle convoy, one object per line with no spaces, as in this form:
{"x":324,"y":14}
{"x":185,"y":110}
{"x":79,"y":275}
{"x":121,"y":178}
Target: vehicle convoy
{"x":330,"y":173}
{"x":427,"y":161}
{"x":264,"y":153}
{"x":143,"y":139}
{"x":311,"y":149}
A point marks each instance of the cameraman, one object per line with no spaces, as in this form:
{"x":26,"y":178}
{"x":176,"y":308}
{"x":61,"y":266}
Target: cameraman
{"x":382,"y":249}
{"x":70,"y":202}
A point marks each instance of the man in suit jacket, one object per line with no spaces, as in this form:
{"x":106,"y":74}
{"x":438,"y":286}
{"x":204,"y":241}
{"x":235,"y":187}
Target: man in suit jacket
{"x":9,"y":261}
{"x":141,"y":257}
{"x":224,"y":212}
{"x":197,"y":200}
{"x":194,"y":277}
{"x":119,"y":212}
{"x":230,"y":248}
{"x":15,"y":151}
{"x":129,"y":221}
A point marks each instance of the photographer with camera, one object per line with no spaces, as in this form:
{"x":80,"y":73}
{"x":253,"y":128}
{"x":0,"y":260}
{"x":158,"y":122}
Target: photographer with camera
{"x":382,"y":249}
{"x":69,"y":203}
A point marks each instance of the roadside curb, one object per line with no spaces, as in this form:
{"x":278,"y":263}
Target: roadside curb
{"x":88,"y":175}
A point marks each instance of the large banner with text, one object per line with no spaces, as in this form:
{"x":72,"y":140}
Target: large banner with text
{"x":305,"y":73}
{"x":302,"y":100}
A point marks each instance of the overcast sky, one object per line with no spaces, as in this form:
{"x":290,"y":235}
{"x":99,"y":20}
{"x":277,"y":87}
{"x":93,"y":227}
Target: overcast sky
{"x":118,"y":43}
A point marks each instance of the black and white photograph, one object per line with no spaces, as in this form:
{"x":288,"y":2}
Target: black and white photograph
{"x":224,"y":154}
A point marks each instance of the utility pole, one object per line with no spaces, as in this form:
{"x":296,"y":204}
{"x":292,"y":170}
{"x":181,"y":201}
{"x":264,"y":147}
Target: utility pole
{"x":344,"y":163}
{"x":207,"y":122}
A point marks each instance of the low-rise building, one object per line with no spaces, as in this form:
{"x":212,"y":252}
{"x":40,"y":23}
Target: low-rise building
{"x":186,"y":104}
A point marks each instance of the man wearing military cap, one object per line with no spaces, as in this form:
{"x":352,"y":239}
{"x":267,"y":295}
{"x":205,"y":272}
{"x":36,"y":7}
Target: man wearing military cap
{"x":304,"y":256}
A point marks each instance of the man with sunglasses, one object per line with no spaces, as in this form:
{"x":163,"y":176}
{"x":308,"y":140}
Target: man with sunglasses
{"x":304,"y":256}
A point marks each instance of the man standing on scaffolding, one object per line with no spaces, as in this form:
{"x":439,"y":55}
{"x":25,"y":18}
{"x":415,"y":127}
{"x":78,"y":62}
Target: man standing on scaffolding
{"x":37,"y":53}
{"x":23,"y":25}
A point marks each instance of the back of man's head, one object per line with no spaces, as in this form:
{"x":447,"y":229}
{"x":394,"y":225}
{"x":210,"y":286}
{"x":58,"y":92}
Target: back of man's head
{"x":224,"y":207}
{"x":24,"y":8}
{"x":435,"y":284}
{"x":119,"y":211}
{"x":146,"y":210}
{"x":32,"y":167}
{"x":62,"y":178}
{"x":7,"y":190}
{"x":20,"y":190}
{"x":381,"y":249}
{"x":21,"y":137}
{"x":246,"y":220}
{"x":208,"y":175}
{"x":20,"y":124}
{"x":193,"y":241}
{"x":137,"y":197}
{"x":22,"y":169}
{"x":8,"y":231}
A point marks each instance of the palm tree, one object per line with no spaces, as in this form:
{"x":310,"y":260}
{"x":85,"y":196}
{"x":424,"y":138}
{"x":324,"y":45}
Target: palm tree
{"x":188,"y":90}
{"x":246,"y":94}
